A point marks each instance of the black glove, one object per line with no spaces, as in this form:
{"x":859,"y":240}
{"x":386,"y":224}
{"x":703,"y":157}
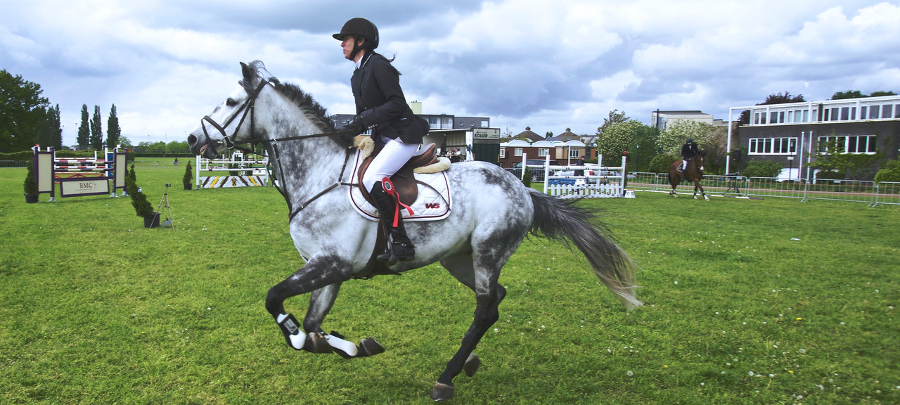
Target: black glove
{"x":355,"y":126}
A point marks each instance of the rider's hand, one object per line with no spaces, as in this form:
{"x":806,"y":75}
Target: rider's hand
{"x":355,"y":126}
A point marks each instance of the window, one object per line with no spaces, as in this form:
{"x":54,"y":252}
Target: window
{"x":542,"y":152}
{"x":574,"y":153}
{"x":845,"y":113}
{"x":887,"y":110}
{"x":502,"y":153}
{"x":873,"y":112}
{"x":518,"y":152}
{"x":773,"y":146}
{"x":849,"y":144}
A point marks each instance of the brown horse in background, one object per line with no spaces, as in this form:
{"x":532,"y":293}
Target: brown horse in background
{"x":693,"y":172}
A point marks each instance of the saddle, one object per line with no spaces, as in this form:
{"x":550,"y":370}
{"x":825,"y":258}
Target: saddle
{"x":407,"y":186}
{"x":404,"y":180}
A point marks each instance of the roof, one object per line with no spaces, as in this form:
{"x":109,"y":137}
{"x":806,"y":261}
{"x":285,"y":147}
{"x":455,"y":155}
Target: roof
{"x":529,"y":135}
{"x":568,"y":135}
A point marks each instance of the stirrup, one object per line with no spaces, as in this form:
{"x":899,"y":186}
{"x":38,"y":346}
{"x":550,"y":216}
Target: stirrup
{"x":391,"y":257}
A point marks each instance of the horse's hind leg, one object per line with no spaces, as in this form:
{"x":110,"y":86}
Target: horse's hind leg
{"x":488,"y":295}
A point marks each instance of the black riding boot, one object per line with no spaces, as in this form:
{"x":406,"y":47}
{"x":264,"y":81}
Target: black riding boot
{"x":399,"y":247}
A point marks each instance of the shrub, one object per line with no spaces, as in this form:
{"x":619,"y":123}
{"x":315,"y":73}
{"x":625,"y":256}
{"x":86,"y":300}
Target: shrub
{"x":660,"y":163}
{"x":142,"y":207}
{"x":526,"y":176}
{"x":188,"y":174}
{"x":890,"y":172}
{"x":30,"y":183}
{"x":762,"y":168}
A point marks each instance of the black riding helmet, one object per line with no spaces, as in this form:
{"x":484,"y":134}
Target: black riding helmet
{"x":360,"y":28}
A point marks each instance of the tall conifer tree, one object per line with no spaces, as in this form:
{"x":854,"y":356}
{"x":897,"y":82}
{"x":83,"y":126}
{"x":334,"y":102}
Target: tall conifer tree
{"x":113,"y":132}
{"x":96,"y":130}
{"x":84,"y":130}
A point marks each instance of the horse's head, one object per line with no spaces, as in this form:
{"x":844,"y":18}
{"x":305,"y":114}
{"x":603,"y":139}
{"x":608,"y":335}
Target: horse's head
{"x":231,"y":122}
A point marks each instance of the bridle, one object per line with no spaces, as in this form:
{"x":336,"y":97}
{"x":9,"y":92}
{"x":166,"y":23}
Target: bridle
{"x":248,"y":107}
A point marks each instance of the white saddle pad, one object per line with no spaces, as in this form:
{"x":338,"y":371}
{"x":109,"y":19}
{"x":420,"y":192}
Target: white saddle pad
{"x":432,"y":204}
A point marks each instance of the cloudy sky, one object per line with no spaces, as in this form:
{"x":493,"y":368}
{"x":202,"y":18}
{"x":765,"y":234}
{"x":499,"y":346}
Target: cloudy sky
{"x":550,"y":65}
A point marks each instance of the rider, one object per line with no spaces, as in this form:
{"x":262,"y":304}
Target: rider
{"x":688,"y":151}
{"x":397,"y":132}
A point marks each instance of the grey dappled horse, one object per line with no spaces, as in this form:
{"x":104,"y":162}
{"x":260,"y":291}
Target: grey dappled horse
{"x":492,"y":211}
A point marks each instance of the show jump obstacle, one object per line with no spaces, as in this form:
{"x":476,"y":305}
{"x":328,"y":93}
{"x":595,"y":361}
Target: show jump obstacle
{"x":79,"y":176}
{"x":234,"y":172}
{"x":587,"y":181}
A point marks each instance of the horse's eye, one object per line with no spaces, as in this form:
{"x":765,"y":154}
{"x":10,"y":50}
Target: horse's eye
{"x":231,"y":102}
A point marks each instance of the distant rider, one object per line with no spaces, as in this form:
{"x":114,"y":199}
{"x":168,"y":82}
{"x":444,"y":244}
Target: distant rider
{"x":688,"y":151}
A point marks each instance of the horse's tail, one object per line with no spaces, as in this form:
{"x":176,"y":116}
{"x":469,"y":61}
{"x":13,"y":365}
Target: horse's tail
{"x":562,"y":220}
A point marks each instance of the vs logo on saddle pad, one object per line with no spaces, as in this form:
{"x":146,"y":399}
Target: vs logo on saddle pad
{"x":432,"y":203}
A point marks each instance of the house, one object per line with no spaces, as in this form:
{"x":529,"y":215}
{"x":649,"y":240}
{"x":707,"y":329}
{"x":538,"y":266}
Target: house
{"x":561,"y":153}
{"x":793,"y":133}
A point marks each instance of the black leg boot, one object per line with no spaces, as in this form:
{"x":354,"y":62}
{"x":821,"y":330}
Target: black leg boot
{"x":399,"y":247}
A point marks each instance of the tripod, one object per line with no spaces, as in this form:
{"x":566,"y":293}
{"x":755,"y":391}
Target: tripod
{"x":165,"y":198}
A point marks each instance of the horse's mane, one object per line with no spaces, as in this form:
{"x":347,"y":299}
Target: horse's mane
{"x":313,"y":110}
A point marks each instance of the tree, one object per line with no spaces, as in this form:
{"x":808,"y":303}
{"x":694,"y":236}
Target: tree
{"x":615,"y":117}
{"x":55,"y":128}
{"x":96,"y":130}
{"x":84,"y":132}
{"x":671,"y":139}
{"x":50,"y":133}
{"x":113,"y":132}
{"x":22,"y":112}
{"x":772,"y":99}
{"x":843,"y":95}
{"x":617,"y":138}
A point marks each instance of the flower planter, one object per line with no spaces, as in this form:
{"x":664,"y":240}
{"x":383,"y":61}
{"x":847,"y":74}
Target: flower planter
{"x":187,"y":186}
{"x":31,"y":198}
{"x":151,"y":221}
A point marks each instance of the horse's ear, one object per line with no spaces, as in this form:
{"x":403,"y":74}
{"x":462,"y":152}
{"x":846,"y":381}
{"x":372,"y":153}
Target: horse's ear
{"x":245,"y":70}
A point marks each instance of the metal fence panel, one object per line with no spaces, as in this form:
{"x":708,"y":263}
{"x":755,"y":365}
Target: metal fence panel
{"x":887,"y":192}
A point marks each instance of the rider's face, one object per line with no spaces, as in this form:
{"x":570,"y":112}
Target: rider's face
{"x":347,"y":47}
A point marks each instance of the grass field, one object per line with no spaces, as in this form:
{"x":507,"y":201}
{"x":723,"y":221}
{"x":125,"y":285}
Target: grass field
{"x":747,"y":301}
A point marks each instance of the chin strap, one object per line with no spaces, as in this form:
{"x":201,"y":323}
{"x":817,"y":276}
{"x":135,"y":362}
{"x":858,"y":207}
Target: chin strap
{"x":389,"y":190}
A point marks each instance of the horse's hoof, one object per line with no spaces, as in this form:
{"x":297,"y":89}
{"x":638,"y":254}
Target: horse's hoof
{"x":472,"y":364}
{"x":442,"y":392}
{"x":706,"y":198}
{"x":317,"y":344}
{"x":369,"y":347}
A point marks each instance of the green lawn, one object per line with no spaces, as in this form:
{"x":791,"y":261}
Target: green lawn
{"x":747,"y":301}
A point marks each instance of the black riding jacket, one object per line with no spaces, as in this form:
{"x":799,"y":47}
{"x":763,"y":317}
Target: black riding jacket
{"x":688,"y":151}
{"x":380,"y":101}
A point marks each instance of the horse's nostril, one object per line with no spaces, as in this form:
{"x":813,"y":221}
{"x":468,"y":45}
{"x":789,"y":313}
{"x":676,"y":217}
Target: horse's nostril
{"x":192,"y":140}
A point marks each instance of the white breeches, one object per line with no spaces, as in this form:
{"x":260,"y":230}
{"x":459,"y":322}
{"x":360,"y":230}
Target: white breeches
{"x":394,"y":155}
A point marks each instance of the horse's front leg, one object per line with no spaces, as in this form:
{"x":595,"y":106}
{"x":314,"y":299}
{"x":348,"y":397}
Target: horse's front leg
{"x":698,"y":186}
{"x":316,"y":275}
